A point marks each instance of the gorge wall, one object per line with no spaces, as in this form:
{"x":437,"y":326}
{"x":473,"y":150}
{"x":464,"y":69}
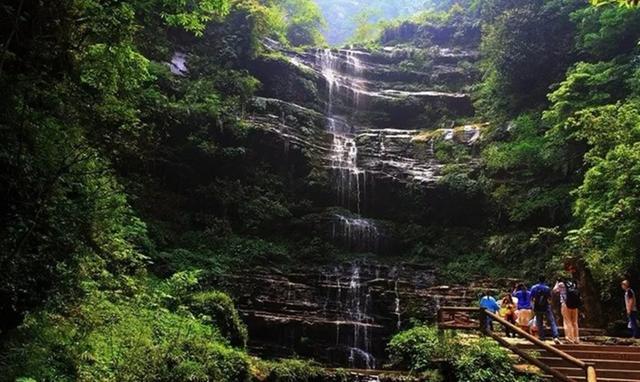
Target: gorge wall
{"x":374,"y":135}
{"x":343,"y":314}
{"x":373,"y":138}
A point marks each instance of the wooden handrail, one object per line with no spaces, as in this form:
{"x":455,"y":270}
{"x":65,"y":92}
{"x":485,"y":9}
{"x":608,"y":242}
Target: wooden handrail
{"x":531,"y":359}
{"x":459,"y":308}
{"x":589,"y":369}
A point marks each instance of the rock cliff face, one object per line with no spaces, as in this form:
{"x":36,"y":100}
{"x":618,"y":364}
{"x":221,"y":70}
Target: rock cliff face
{"x":371,"y":132}
{"x":342,"y":315}
{"x":368,"y":124}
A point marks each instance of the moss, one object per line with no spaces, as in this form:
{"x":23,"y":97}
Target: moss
{"x":426,"y":136}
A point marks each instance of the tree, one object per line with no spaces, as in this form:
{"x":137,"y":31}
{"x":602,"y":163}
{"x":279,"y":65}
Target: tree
{"x":627,"y":3}
{"x":525,"y":50}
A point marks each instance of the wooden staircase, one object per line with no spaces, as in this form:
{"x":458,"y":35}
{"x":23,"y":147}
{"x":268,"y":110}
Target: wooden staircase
{"x":565,"y":363}
{"x":614,"y":363}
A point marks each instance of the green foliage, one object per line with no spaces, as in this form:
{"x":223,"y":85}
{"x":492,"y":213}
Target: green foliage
{"x":419,"y":348}
{"x":606,"y":32}
{"x":218,"y":309}
{"x":365,"y":29}
{"x":626,"y":3}
{"x":473,"y":360}
{"x":536,"y":186}
{"x":484,"y":360}
{"x":191,"y":15}
{"x":293,"y":370}
{"x":525,"y":49}
{"x":523,"y":150}
{"x":296,"y":22}
{"x":586,"y":85}
{"x":607,"y":200}
{"x":120,"y":339}
{"x":440,"y":25}
{"x":200,"y":250}
{"x":304,"y":22}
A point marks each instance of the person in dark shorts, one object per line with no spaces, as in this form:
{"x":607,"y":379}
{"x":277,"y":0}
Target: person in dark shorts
{"x":541,"y":297}
{"x":631,"y":307}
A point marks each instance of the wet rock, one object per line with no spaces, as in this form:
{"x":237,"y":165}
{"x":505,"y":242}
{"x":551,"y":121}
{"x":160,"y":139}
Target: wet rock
{"x":341,"y":315}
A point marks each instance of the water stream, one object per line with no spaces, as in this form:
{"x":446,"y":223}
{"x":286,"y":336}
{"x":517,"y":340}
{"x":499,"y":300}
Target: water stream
{"x":357,"y":309}
{"x":342,"y":71}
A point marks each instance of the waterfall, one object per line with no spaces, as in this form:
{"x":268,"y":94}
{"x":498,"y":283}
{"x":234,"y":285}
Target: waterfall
{"x":356,"y":233}
{"x":396,"y":309}
{"x":343,"y":156}
{"x":342,"y":72}
{"x":360,"y":347}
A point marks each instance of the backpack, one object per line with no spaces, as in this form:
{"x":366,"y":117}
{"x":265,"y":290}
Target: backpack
{"x":541,"y":300}
{"x":573,"y":300}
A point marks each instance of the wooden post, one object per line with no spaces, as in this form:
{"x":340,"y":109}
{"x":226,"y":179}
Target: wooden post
{"x":483,"y":321}
{"x":591,"y":374}
{"x":532,"y":360}
{"x":559,"y":353}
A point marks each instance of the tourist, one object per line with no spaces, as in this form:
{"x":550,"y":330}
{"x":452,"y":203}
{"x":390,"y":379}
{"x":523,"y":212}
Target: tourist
{"x":490,"y":304}
{"x":523,"y":312}
{"x":533,"y":329}
{"x":569,"y":304}
{"x":632,"y":310}
{"x":541,"y":296}
{"x":508,"y":312}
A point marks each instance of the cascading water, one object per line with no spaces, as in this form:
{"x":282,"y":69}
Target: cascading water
{"x":342,"y":81}
{"x":356,"y":233}
{"x":352,"y":311}
{"x":359,"y":352}
{"x":396,"y":309}
{"x":342,"y":72}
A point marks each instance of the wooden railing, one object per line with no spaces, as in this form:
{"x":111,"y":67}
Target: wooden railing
{"x":461,"y":318}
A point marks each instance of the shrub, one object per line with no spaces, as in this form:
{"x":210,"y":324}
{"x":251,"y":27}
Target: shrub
{"x":109,"y":338}
{"x":218,"y":308}
{"x":418,"y":348}
{"x":294,"y":370}
{"x":473,"y":360}
{"x":484,"y":360}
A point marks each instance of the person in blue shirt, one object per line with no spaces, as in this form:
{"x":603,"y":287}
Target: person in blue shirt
{"x":523,"y":312}
{"x":541,"y":298}
{"x":489,"y":303}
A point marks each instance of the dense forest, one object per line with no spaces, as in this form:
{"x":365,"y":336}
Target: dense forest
{"x":165,"y":161}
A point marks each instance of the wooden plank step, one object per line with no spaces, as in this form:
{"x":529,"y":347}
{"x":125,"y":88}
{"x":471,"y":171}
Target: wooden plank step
{"x":600,"y":379}
{"x":600,"y":364}
{"x":590,"y":347}
{"x":606,"y":373}
{"x":593,"y":355}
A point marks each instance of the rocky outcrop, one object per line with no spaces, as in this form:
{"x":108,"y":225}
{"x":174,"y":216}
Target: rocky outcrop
{"x":341,"y":315}
{"x":364,"y":125}
{"x":369,"y":126}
